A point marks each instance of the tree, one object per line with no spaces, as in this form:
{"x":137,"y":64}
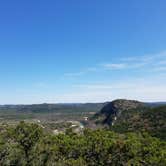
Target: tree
{"x":27,"y":135}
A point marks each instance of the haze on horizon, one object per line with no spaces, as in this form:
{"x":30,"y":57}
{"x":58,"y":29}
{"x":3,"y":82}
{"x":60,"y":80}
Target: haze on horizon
{"x":82,"y":51}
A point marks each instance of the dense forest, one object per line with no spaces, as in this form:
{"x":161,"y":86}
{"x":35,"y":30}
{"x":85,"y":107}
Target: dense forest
{"x":149,"y":120}
{"x":29,"y":145}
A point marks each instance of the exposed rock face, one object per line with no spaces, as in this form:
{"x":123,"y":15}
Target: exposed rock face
{"x":120,"y":105}
{"x":113,"y":109}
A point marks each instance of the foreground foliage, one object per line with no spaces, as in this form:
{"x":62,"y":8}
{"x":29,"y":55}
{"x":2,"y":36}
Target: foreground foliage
{"x":27,"y":144}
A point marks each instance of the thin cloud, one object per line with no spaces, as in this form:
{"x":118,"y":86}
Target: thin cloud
{"x":162,"y":62}
{"x":152,"y":89}
{"x":145,"y":58}
{"x":114,"y":66}
{"x":80,"y":73}
{"x":162,"y":68}
{"x":151,"y":62}
{"x":145,"y":93}
{"x":74,"y":74}
{"x":157,"y":61}
{"x":92,"y":69}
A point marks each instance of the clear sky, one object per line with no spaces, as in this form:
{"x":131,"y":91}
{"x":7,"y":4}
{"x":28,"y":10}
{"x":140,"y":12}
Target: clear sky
{"x":82,"y":50}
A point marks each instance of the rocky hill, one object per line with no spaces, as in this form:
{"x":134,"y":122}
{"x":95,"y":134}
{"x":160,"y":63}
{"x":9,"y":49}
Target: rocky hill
{"x":132,"y":116}
{"x":113,"y":110}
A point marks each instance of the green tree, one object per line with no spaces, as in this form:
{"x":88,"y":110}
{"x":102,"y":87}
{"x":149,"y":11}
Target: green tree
{"x":26,"y":136}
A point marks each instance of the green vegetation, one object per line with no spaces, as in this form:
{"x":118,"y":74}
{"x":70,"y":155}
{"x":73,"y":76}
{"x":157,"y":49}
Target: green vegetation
{"x":151,"y":120}
{"x":28,"y":145}
{"x":127,"y":133}
{"x":47,"y":112}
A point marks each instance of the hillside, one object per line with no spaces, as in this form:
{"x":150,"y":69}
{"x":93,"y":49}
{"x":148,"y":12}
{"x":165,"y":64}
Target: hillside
{"x":113,"y":110}
{"x":133,"y":116}
{"x":152,"y":120}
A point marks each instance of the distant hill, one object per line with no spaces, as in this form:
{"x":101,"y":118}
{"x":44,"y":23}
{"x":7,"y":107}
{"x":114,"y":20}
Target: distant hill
{"x":155,"y":104}
{"x":34,"y":108}
{"x":133,"y":116}
{"x":114,"y":109}
{"x":94,"y":107}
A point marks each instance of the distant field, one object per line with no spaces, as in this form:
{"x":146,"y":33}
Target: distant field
{"x":47,"y":112}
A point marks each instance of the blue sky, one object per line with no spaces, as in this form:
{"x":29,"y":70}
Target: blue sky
{"x":82,"y":51}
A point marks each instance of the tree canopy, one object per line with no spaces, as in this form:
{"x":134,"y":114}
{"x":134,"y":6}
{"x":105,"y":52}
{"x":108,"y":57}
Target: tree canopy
{"x":27,"y":144}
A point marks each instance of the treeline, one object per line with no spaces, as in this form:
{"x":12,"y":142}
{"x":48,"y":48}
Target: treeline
{"x":28,"y":145}
{"x":47,"y":108}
